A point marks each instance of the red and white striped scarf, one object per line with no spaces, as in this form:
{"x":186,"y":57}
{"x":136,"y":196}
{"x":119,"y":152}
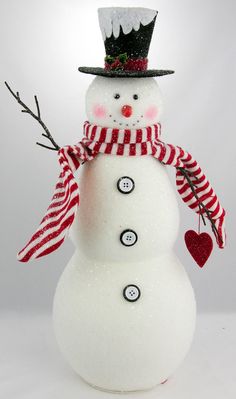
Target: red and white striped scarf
{"x":122,"y":142}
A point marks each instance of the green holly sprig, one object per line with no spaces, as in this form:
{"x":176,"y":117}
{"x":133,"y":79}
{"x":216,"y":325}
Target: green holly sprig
{"x":116,"y":62}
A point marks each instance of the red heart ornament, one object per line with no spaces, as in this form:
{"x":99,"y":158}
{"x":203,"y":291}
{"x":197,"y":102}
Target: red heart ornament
{"x":199,"y":245}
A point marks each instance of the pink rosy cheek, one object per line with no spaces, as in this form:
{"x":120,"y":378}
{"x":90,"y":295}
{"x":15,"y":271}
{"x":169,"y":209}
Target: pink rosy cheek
{"x":151,"y":112}
{"x":99,"y":111}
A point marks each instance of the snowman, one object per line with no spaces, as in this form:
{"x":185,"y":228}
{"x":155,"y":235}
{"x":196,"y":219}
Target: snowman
{"x":124,"y":308}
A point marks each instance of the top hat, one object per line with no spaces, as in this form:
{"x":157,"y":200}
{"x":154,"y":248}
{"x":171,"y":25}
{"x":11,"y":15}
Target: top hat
{"x":127,"y":34}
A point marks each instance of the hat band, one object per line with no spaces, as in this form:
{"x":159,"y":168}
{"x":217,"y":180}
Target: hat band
{"x":130,"y":64}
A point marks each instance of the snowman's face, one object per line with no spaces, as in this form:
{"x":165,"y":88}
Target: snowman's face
{"x":124,"y":103}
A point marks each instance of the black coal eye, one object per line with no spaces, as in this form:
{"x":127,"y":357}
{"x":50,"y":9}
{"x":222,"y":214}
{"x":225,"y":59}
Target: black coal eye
{"x":135,"y":96}
{"x":116,"y":96}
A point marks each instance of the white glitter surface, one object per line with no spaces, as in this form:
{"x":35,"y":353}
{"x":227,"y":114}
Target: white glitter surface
{"x":32,"y":367}
{"x":104,"y":212}
{"x":101,"y":93}
{"x":115,"y":344}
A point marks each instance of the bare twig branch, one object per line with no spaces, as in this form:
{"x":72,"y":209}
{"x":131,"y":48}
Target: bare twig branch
{"x":46,"y":146}
{"x":202,"y":207}
{"x":37,"y":117}
{"x":37,"y":105}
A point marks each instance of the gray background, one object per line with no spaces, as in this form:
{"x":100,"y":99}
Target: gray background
{"x":42,"y":43}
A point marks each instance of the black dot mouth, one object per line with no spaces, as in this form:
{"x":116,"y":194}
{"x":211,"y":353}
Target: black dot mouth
{"x":126,"y":124}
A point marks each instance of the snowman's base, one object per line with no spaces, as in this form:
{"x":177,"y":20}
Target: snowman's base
{"x":125,"y":391}
{"x":144,"y":343}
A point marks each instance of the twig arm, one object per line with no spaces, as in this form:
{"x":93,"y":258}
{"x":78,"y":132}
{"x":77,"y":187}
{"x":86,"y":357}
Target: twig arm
{"x":37,"y":117}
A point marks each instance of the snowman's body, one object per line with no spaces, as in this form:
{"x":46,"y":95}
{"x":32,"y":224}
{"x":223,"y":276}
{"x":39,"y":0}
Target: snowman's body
{"x":113,"y":340}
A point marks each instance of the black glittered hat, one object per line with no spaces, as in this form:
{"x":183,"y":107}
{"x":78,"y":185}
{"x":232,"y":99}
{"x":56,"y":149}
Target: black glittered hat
{"x":127,"y":34}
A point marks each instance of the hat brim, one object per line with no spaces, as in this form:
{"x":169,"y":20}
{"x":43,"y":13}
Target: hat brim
{"x":124,"y":74}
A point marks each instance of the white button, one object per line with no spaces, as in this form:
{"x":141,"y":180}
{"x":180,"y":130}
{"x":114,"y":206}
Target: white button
{"x":131,"y":293}
{"x":128,"y":237}
{"x":125,"y":185}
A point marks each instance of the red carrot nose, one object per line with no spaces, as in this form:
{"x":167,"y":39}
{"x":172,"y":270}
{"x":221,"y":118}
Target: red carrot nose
{"x":126,"y":110}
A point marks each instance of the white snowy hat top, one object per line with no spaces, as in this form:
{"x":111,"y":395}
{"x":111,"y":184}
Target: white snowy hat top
{"x":111,"y":19}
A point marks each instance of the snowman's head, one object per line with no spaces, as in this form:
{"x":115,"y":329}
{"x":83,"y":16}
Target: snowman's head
{"x":123,"y":103}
